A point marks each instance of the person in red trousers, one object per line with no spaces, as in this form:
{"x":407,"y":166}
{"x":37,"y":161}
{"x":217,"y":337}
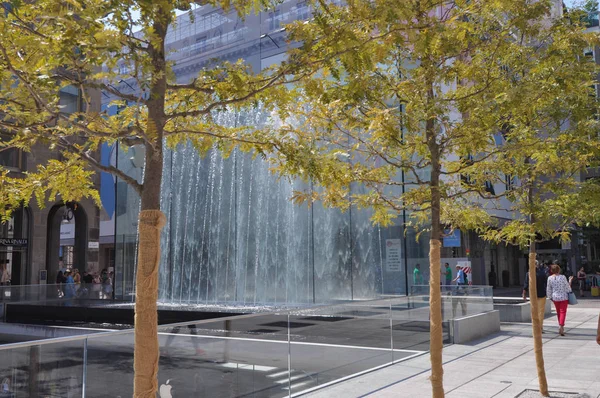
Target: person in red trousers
{"x":557,"y":290}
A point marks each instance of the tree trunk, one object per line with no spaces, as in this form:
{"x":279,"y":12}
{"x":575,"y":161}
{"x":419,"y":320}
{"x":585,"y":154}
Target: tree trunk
{"x":151,"y":221}
{"x":536,"y":324}
{"x":146,"y":349}
{"x":535,"y":321}
{"x":435,"y":304}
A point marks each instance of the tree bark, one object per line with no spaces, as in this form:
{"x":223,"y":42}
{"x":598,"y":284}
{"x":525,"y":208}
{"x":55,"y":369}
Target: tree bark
{"x":146,"y":347}
{"x":435,"y":305}
{"x":536,"y":324}
{"x":151,"y":221}
{"x":535,"y":321}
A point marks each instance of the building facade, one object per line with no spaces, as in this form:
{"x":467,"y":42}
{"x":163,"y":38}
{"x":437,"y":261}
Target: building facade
{"x":38,"y":241}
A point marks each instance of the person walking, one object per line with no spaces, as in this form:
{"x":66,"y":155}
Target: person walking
{"x":4,"y":274}
{"x":461,"y":277}
{"x":60,"y":281}
{"x":558,"y":290}
{"x":70,"y":285}
{"x":417,"y":277}
{"x":581,"y":275}
{"x":459,"y":294}
{"x":541,"y":281}
{"x":598,"y":331}
{"x":448,"y":274}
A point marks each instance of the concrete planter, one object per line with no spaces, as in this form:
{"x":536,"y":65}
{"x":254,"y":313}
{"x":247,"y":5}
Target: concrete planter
{"x":516,"y":310}
{"x":475,"y":327}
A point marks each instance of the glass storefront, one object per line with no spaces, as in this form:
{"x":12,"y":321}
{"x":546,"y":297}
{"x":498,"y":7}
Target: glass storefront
{"x":14,"y":245}
{"x":233,"y":235}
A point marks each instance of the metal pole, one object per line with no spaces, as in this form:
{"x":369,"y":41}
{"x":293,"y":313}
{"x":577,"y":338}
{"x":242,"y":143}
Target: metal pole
{"x":404,"y":242}
{"x":116,"y":149}
{"x":85,"y":346}
{"x":391,"y":332}
{"x":289,"y":359}
{"x":312,"y":233}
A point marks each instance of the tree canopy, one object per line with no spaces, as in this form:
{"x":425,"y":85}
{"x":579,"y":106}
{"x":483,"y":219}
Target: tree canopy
{"x":431,"y":106}
{"x":117,"y":47}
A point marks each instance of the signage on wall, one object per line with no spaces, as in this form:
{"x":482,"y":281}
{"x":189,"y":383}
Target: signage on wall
{"x":452,"y":238}
{"x":13,"y":242}
{"x":93,"y":245}
{"x":393,"y":255}
{"x":466,"y":267}
{"x":43,"y":276}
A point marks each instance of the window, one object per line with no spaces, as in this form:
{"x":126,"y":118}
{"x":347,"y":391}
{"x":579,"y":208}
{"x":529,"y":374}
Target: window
{"x":121,"y":206}
{"x":465,"y":178}
{"x":274,"y":20}
{"x":200,"y":45}
{"x":489,"y":188}
{"x":302,"y":11}
{"x":70,"y":100}
{"x":12,"y":158}
{"x":510,"y":182}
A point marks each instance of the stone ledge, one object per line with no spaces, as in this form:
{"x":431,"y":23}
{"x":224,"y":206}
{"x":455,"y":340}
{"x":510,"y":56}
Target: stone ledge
{"x":475,"y":327}
{"x":517,"y":310}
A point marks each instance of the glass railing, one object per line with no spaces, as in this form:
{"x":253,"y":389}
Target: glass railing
{"x":269,"y":354}
{"x":457,"y":301}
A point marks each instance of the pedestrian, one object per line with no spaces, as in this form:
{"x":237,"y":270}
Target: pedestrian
{"x":558,"y":290}
{"x":598,"y":331}
{"x":448,"y":274}
{"x":417,"y":277}
{"x":541,"y":281}
{"x":547,"y":268}
{"x":88,"y":278}
{"x":76,"y":276}
{"x":60,"y":278}
{"x":581,"y":275}
{"x":4,"y":274}
{"x":461,"y":281}
{"x":60,"y":281}
{"x":70,"y":285}
{"x":461,"y":277}
{"x":106,"y":284}
{"x":567,"y":270}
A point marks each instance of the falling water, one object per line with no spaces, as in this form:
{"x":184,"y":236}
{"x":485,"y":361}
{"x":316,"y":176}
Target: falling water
{"x":234,"y":236}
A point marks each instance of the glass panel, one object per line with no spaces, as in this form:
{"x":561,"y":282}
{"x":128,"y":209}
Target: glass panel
{"x":332,"y":342}
{"x":457,"y":302}
{"x":127,"y":209}
{"x":110,"y":365}
{"x":226,"y":358}
{"x":410,"y":325}
{"x":49,"y":370}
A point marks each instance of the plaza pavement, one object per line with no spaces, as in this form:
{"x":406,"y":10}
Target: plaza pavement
{"x":499,"y":366}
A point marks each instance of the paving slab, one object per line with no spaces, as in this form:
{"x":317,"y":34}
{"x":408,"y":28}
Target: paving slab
{"x":500,"y":366}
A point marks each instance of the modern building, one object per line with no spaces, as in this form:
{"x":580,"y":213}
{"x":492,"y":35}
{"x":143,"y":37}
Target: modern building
{"x":232,"y":233}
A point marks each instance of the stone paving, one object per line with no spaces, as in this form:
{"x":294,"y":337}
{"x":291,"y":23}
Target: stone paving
{"x":499,"y":366}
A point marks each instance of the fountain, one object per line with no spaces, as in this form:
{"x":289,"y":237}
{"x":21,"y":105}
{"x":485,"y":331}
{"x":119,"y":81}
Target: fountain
{"x":234,"y":237}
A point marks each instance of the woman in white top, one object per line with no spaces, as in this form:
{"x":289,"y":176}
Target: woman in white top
{"x":557,"y":290}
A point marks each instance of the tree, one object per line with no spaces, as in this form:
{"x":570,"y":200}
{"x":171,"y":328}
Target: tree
{"x":90,"y":45}
{"x":551,"y":136}
{"x":410,"y":101}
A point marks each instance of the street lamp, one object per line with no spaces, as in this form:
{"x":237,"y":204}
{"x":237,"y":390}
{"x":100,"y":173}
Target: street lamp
{"x":68,"y":215}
